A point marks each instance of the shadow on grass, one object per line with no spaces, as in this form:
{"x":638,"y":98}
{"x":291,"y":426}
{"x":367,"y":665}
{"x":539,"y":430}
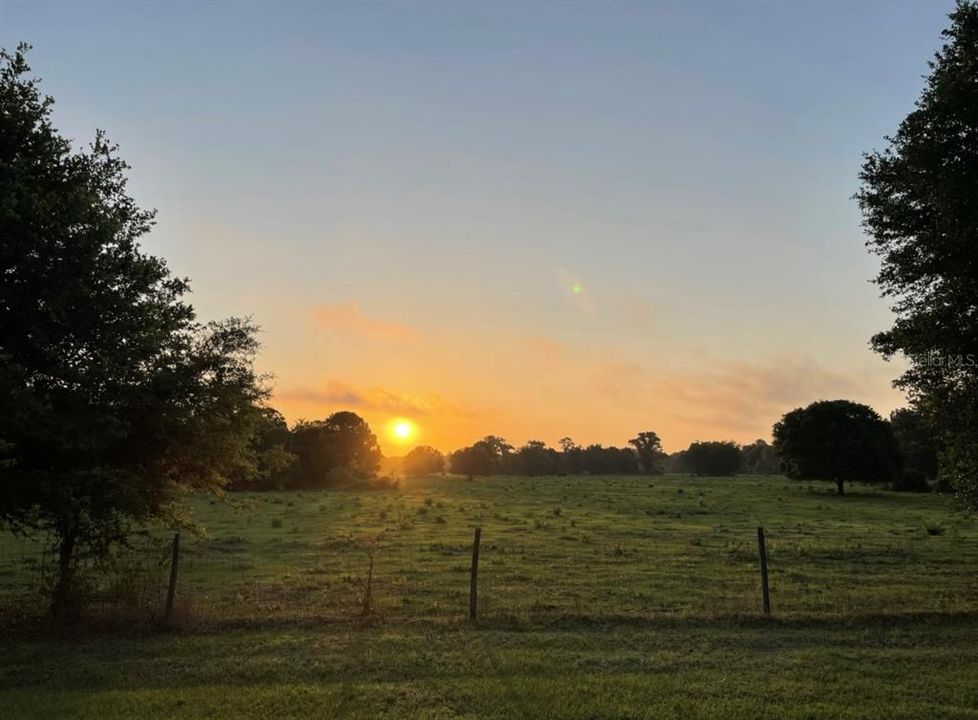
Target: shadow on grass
{"x":39,"y":629}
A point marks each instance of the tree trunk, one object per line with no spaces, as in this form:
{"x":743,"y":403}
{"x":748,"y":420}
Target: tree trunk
{"x":839,"y":485}
{"x":63,"y":605}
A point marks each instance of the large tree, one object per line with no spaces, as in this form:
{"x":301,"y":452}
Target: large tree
{"x":837,"y":440}
{"x":113,"y":397}
{"x":343,"y":441}
{"x":918,"y":199}
{"x":649,"y":448}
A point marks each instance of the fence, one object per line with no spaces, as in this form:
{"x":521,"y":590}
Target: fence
{"x":546,"y":551}
{"x":145,"y":583}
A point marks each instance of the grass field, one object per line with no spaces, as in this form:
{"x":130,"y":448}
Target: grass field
{"x":599,"y":598}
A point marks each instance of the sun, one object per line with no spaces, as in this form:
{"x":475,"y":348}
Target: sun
{"x":401,"y":430}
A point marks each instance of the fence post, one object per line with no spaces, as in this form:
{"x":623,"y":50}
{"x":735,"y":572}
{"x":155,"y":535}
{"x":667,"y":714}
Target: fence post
{"x":762,"y":551}
{"x":174,"y":569}
{"x":473,"y":592}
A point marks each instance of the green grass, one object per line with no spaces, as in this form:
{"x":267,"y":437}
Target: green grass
{"x":599,"y":598}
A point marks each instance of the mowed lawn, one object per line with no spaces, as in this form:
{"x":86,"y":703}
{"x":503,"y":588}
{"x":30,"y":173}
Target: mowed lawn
{"x":609,"y":598}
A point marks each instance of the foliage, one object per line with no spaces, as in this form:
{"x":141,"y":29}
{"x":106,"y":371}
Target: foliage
{"x":759,"y":458}
{"x":535,"y":458}
{"x":600,"y":460}
{"x":837,"y":440}
{"x":717,"y":458}
{"x":113,"y":397}
{"x":917,"y":441}
{"x":275,"y":466}
{"x":423,"y":460}
{"x":649,"y":448}
{"x":341,"y":441}
{"x":477,"y":459}
{"x":917,"y":198}
{"x":494,"y":456}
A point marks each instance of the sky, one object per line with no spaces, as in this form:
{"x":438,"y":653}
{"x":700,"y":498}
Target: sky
{"x":534,"y":220}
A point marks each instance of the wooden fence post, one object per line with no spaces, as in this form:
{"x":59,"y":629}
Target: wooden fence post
{"x":174,"y":569}
{"x":473,"y":592}
{"x":765,"y":592}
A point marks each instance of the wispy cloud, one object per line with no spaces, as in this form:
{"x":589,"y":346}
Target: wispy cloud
{"x":349,"y":318}
{"x":733,"y":399}
{"x":340,"y":395}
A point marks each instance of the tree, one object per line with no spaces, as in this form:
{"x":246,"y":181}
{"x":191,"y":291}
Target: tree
{"x":343,"y":441}
{"x":500,"y":449}
{"x":759,"y":458}
{"x":649,"y":448}
{"x":477,"y":459}
{"x":916,"y":440}
{"x":274,"y":463}
{"x":712,"y":458}
{"x":423,"y":460}
{"x":837,"y":440}
{"x":599,"y":460}
{"x":566,"y":444}
{"x":571,"y":457}
{"x":113,"y":397}
{"x":535,"y":458}
{"x":917,"y":198}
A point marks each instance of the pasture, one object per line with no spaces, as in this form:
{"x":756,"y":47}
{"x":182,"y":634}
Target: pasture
{"x":623,"y":597}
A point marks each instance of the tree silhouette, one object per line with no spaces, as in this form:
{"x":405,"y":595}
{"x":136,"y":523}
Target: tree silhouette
{"x":649,"y":448}
{"x":918,"y":202}
{"x":718,"y":458}
{"x":837,"y":440}
{"x":343,"y":441}
{"x":423,"y":460}
{"x":113,"y":397}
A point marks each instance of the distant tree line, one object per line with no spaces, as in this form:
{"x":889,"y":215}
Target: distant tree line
{"x":836,"y":441}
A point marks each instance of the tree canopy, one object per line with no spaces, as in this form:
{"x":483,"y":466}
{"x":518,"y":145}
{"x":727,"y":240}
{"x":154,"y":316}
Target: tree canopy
{"x":917,"y":198}
{"x":649,"y":448}
{"x":341,"y":442}
{"x":423,"y":460}
{"x":113,"y":396}
{"x":718,"y":458}
{"x":837,"y":440}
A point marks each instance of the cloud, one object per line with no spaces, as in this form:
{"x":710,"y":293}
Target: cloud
{"x":348,"y":317}
{"x":341,"y":395}
{"x":735,"y":399}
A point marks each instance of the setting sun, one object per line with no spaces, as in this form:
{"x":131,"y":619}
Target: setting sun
{"x":402,"y":430}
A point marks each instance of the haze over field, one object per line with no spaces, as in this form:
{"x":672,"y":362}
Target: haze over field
{"x":515,"y":219}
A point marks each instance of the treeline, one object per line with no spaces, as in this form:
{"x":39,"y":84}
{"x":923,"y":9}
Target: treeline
{"x":644,"y":456}
{"x":342,"y":451}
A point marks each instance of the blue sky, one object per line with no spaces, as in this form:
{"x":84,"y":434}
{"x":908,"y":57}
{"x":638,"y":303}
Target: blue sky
{"x":403,"y":193}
